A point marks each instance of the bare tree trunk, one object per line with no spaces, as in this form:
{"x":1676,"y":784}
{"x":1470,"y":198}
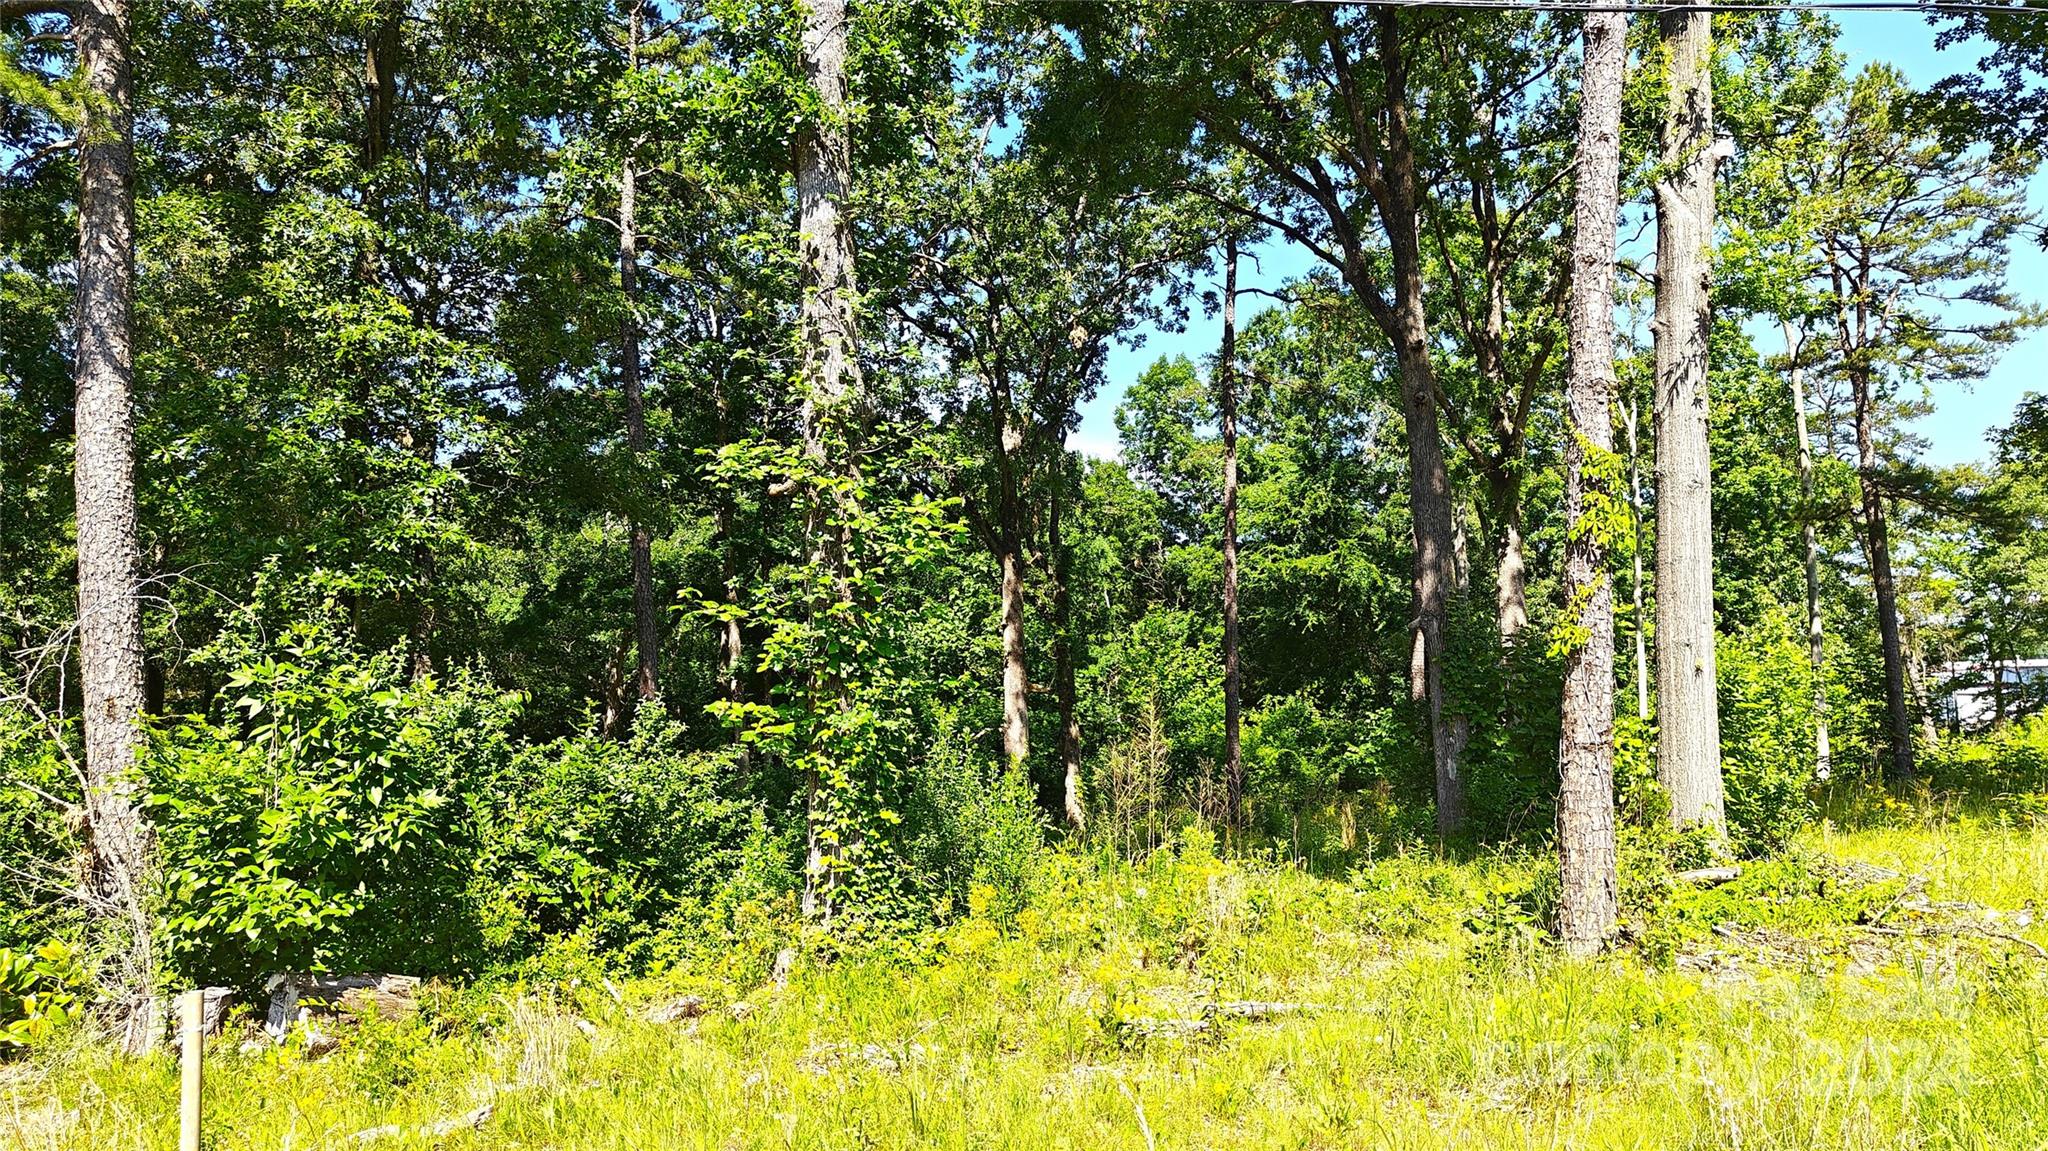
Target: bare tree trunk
{"x":1063,"y":658}
{"x":646,"y":615}
{"x":1511,"y":581}
{"x":1585,"y":796}
{"x":380,"y":83}
{"x":1226,"y":389}
{"x":1010,"y":546}
{"x":121,"y":848}
{"x":731,"y":641}
{"x":1917,"y":672}
{"x":424,"y":443}
{"x":830,"y":374}
{"x":1688,"y":714}
{"x":1635,"y":521}
{"x":1809,"y":532}
{"x":1877,"y":538}
{"x":1435,"y":580}
{"x":612,"y":720}
{"x":1429,"y":481}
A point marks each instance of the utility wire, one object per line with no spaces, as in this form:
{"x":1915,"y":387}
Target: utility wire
{"x":1943,"y":7}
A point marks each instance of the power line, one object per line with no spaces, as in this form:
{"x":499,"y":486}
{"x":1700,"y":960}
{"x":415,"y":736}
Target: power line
{"x":1942,"y":7}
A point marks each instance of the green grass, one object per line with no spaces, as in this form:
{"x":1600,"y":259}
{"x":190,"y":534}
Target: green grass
{"x":1425,"y":1025}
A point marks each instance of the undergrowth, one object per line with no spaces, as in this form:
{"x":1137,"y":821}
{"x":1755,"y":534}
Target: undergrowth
{"x":1191,"y":1001}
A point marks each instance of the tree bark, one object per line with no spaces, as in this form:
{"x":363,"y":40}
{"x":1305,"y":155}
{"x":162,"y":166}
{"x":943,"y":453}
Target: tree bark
{"x":1809,"y":532}
{"x":1511,"y":580}
{"x":731,"y":641}
{"x":1585,"y":800}
{"x":1010,"y":555}
{"x":1635,"y":521}
{"x":1877,"y":540}
{"x":1063,"y":659}
{"x":1406,"y":325}
{"x":1917,"y":677}
{"x":380,"y":83}
{"x":1226,"y":389}
{"x":646,"y":614}
{"x":1688,"y":715}
{"x":830,"y":375}
{"x":120,"y":846}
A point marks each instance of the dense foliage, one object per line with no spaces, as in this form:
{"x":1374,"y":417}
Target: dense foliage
{"x":391,"y":476}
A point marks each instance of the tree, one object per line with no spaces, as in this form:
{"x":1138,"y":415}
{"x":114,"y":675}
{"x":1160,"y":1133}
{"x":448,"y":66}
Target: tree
{"x":2007,"y":592}
{"x":1909,"y":227}
{"x":1309,"y":128}
{"x":646,"y":616}
{"x":830,"y":373}
{"x":2004,"y":98}
{"x":1024,"y":277}
{"x":120,"y":864}
{"x":1809,"y":538}
{"x":1495,"y":209}
{"x":1772,"y":106}
{"x":1233,"y":670}
{"x":1585,"y":801}
{"x":1688,"y":721}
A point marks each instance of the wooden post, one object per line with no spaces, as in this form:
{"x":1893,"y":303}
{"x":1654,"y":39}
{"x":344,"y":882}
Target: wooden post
{"x":192,"y":1043}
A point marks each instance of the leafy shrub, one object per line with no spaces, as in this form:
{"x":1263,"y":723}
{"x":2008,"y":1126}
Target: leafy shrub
{"x":1767,"y":733}
{"x":1510,"y":693}
{"x":40,"y":991}
{"x":975,"y":828}
{"x":35,"y":839}
{"x":1295,"y":759}
{"x":848,"y":688}
{"x":604,"y":839}
{"x":1639,"y":799}
{"x":1156,"y":691}
{"x":2008,"y":761}
{"x":1792,"y":892}
{"x":320,"y":825}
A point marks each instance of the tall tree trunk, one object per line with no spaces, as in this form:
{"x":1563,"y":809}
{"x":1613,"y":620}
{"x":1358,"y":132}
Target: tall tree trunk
{"x":1063,"y":658}
{"x":1809,"y":532}
{"x":1585,"y":797}
{"x":1917,"y":677}
{"x":646,"y":615}
{"x":830,"y":374}
{"x":1407,"y":327}
{"x":1877,"y":539}
{"x":1511,"y":580}
{"x":380,"y":83}
{"x":1635,"y":521}
{"x":424,"y":442}
{"x":1010,"y":549}
{"x":731,"y":641}
{"x":1688,"y":715}
{"x":120,"y":863}
{"x":1226,"y":389}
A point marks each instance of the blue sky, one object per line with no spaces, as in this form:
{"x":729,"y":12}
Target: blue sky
{"x":1954,"y":430}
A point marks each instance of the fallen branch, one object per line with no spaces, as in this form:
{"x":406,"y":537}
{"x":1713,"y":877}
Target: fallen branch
{"x":439,"y":1129}
{"x":1969,"y":929}
{"x":1261,"y":1009}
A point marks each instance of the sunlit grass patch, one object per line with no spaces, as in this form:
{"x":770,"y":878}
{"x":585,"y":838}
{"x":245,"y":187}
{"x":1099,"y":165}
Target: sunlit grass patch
{"x":1192,"y":1002}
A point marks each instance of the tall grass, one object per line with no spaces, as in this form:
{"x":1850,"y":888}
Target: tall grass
{"x":1408,"y":1015}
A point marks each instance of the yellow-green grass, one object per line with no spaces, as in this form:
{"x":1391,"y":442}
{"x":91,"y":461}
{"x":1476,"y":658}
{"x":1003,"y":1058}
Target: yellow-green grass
{"x":1409,"y":1029}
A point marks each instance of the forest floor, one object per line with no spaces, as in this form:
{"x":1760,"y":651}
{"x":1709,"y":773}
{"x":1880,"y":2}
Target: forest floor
{"x":1871,"y":988}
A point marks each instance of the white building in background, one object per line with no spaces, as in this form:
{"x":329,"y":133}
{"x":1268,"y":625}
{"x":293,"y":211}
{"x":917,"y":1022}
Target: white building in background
{"x":1972,"y":703}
